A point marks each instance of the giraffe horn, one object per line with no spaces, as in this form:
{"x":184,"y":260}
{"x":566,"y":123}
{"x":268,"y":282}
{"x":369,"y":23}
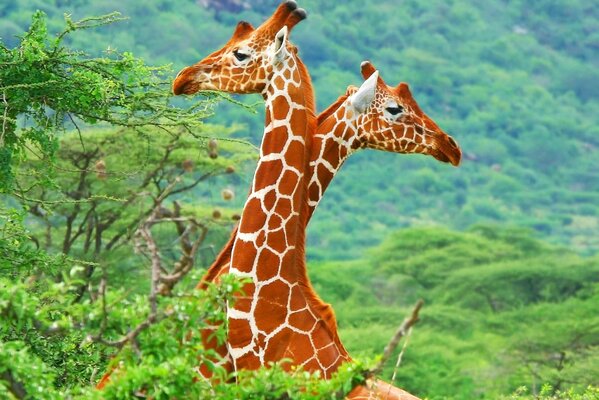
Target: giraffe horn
{"x":278,"y":19}
{"x":296,"y":17}
{"x":367,"y":69}
{"x":242,"y":30}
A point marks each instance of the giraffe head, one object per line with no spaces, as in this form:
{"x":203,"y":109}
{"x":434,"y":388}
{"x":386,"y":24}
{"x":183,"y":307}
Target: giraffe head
{"x":245,"y":64}
{"x":389,"y":119}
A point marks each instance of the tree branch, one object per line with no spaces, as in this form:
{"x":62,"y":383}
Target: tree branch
{"x":16,"y":388}
{"x":4,"y":119}
{"x":401,"y":332}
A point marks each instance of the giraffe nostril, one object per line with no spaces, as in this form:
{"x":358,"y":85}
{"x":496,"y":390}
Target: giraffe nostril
{"x":452,"y":142}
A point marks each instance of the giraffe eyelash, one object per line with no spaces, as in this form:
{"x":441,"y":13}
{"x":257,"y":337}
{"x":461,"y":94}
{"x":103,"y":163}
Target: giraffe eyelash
{"x":240,"y":56}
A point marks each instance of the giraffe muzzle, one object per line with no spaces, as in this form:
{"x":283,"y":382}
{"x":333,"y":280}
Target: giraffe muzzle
{"x":447,"y":150}
{"x":181,"y":82}
{"x":190,"y":80}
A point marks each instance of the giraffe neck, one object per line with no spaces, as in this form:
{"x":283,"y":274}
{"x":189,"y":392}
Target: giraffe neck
{"x":269,"y":244}
{"x":334,"y":141}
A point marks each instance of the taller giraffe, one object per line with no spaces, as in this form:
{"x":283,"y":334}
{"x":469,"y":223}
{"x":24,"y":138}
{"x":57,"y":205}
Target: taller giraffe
{"x":269,"y":247}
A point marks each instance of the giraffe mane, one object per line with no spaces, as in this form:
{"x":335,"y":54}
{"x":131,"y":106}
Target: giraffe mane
{"x":308,"y":94}
{"x":331,"y":109}
{"x":324,"y":311}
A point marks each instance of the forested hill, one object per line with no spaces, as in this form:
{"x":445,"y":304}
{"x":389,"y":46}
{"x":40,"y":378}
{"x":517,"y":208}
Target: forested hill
{"x":515,"y":82}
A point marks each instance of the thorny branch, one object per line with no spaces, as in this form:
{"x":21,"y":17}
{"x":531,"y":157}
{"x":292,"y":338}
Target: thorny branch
{"x":145,"y":234}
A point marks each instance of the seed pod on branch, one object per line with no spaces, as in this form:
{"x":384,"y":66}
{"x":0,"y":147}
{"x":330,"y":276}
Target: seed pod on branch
{"x":100,"y":168}
{"x":228,"y":194}
{"x":213,"y":148}
{"x":230,"y":169}
{"x":217,"y":214}
{"x":187,"y":165}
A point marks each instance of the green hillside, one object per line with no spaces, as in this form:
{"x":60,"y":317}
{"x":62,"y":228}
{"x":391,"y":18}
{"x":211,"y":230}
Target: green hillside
{"x":517,"y":84}
{"x":503,"y":310}
{"x":116,"y":183}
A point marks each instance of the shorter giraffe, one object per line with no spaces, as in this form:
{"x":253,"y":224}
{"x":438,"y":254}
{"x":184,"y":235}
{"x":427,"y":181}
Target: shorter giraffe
{"x":393,"y":122}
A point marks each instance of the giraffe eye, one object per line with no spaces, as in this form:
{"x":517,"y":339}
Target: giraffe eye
{"x":240,"y":56}
{"x":395,"y":110}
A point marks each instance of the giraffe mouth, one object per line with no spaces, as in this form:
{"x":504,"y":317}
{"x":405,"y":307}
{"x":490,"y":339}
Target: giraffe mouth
{"x":185,"y":88}
{"x":184,"y":83}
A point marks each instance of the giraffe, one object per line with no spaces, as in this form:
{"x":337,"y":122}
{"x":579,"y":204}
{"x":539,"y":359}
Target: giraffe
{"x":269,"y":246}
{"x":263,"y":61}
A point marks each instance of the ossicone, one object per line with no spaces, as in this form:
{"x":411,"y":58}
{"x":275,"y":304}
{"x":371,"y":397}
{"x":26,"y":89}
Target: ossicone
{"x":367,"y":69}
{"x":280,"y":16}
{"x":290,"y":4}
{"x":296,"y":17}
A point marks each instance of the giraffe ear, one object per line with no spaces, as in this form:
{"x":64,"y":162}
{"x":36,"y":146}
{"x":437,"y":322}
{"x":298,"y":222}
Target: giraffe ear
{"x":281,"y":43}
{"x":242,"y":30}
{"x":365,"y":95}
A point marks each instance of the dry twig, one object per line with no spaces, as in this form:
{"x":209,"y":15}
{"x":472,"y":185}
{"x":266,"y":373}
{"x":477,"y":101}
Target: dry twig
{"x":161,"y":284}
{"x":401,"y":332}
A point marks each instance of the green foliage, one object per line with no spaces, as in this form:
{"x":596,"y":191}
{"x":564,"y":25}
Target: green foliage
{"x":16,"y":252}
{"x":39,"y":344}
{"x":45,"y":84}
{"x":549,"y":393}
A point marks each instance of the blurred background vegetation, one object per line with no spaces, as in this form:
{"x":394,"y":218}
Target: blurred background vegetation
{"x":503,"y":249}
